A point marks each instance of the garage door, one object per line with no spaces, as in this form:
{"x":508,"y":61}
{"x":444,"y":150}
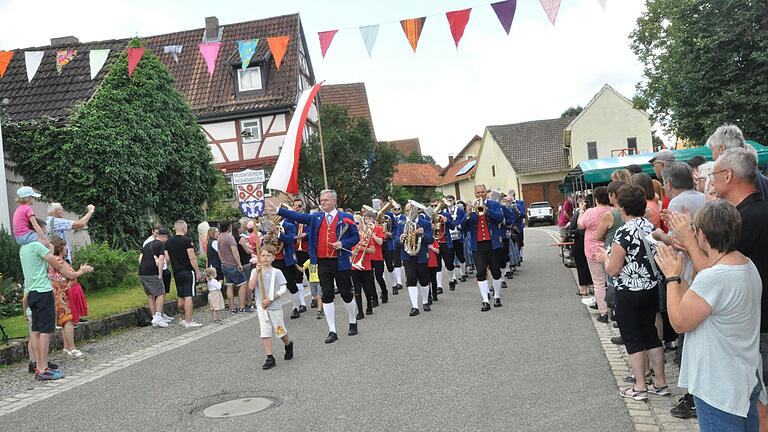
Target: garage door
{"x":547,"y":191}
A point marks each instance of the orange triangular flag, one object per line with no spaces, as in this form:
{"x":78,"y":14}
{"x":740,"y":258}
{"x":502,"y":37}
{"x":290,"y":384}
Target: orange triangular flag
{"x":278,"y":45}
{"x":5,"y":60}
{"x":412,"y":28}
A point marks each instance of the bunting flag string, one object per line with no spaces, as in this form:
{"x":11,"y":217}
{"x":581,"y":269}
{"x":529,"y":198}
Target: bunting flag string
{"x":5,"y":60}
{"x":412,"y":29}
{"x":369,"y":34}
{"x":325,"y":40}
{"x":551,"y":7}
{"x":97,"y":59}
{"x":32,"y":61}
{"x":134,"y":55}
{"x":174,"y":51}
{"x":278,"y":45}
{"x":505,"y":12}
{"x":246,"y":49}
{"x":210,"y":52}
{"x":458,"y":20}
{"x":63,"y":58}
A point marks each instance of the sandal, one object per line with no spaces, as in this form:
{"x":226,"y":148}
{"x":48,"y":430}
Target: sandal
{"x":631,"y":379}
{"x":659,"y":391}
{"x":633,"y":393}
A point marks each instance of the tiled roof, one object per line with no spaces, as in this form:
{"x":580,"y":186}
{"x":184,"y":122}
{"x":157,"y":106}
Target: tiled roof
{"x":416,"y":174}
{"x":449,"y":173}
{"x":353,"y":97}
{"x":407,"y":146}
{"x":52,"y":95}
{"x":535,"y":146}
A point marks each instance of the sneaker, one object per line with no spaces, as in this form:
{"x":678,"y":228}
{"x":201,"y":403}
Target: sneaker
{"x":49,"y":375}
{"x":158,"y":321}
{"x":288,"y":351}
{"x":685,"y":407}
{"x":166,"y":318}
{"x":659,"y":391}
{"x":618,"y":340}
{"x":320,"y":315}
{"x":602,"y":319}
{"x":190,"y":324}
{"x":632,"y":380}
{"x":589,"y":301}
{"x":76,"y":352}
{"x":269,"y":364}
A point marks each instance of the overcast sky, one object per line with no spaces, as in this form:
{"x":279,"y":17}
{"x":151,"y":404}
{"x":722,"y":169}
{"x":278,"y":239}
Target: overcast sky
{"x":441,"y":95}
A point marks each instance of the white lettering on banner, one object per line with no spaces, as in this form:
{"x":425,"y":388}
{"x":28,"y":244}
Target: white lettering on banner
{"x":248,"y":176}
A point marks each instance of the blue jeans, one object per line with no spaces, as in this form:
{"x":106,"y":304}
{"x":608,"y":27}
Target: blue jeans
{"x":712,"y":419}
{"x":468,"y":252}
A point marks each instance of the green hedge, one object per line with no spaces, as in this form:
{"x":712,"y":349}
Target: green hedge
{"x":111,"y":267}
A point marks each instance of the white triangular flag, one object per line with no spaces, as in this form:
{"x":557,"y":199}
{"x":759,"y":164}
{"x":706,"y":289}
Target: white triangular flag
{"x":32,"y":60}
{"x":173,"y":50}
{"x":369,"y":34}
{"x":603,"y":3}
{"x":98,"y":57}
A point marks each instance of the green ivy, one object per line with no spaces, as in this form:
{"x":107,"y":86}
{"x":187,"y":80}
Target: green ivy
{"x":134,"y":150}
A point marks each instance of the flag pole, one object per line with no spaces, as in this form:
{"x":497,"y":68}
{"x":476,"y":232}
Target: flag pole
{"x":322,"y":150}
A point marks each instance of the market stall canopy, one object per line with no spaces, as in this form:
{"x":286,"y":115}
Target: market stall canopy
{"x":598,"y":171}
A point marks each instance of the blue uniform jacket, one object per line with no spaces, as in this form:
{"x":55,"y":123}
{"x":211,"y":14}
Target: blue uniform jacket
{"x":391,"y":244}
{"x":289,"y":242}
{"x":452,"y":223}
{"x":494,"y":216}
{"x":520,"y":204}
{"x":313,"y":221}
{"x":426,"y":240}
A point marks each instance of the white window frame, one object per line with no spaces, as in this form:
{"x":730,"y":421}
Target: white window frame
{"x":241,"y":72}
{"x":253,"y":123}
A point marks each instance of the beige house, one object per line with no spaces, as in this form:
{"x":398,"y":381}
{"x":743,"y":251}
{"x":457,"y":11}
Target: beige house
{"x":458,"y":178}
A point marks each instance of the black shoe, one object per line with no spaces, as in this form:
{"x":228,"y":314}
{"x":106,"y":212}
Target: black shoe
{"x":288,"y":351}
{"x":399,"y":287}
{"x":497,"y":302}
{"x":439,"y":290}
{"x":463,"y":278}
{"x":414,"y":312}
{"x":685,"y":407}
{"x":429,"y":301}
{"x":503,"y":284}
{"x":508,"y":275}
{"x":295,"y":314}
{"x":331,"y":338}
{"x":302,"y":309}
{"x":369,"y":311}
{"x":395,"y":289}
{"x":452,"y":285}
{"x":384,"y":297}
{"x":602,"y":319}
{"x":427,"y":308}
{"x":375,"y":302}
{"x":434,"y":298}
{"x":618,"y":340}
{"x":360,"y":316}
{"x":352,"y":330}
{"x":313,"y":304}
{"x":486,"y":307}
{"x":270,"y":363}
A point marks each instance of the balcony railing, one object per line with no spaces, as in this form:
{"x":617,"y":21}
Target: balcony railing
{"x":623,"y":152}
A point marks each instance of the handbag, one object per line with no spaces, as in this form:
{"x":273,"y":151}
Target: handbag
{"x":658,"y":275}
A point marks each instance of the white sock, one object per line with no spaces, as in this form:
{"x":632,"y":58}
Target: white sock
{"x":351,"y":308}
{"x":463,"y":268}
{"x":399,"y":275}
{"x":454,"y":274}
{"x":484,"y":290}
{"x":301,"y":294}
{"x":392,"y":276}
{"x":329,"y":309}
{"x":295,"y":300}
{"x":425,"y":294}
{"x":496,"y":288}
{"x":413,"y":293}
{"x":440,"y":279}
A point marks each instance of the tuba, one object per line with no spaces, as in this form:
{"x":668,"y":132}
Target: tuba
{"x":383,"y":219}
{"x":411,"y":238}
{"x":270,"y":237}
{"x":359,"y":251}
{"x":438,"y":226}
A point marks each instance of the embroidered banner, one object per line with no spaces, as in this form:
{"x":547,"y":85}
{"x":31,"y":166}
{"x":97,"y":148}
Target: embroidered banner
{"x":97,"y":58}
{"x":210,"y":52}
{"x":174,"y":51}
{"x":505,"y":11}
{"x":5,"y":59}
{"x":246,"y":49}
{"x":412,"y":29}
{"x":32,"y":61}
{"x":325,"y":40}
{"x":63,"y":58}
{"x":134,"y":55}
{"x":278,"y":45}
{"x":551,"y":7}
{"x":458,"y":20}
{"x":369,"y":34}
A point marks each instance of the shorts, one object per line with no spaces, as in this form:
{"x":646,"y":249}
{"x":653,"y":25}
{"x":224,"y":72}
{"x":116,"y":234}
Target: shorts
{"x":27,"y":238}
{"x":43,"y":311}
{"x":185,"y":283}
{"x":215,"y":300}
{"x":314,"y":289}
{"x":233,"y":275}
{"x":271,"y":321}
{"x":153,"y":285}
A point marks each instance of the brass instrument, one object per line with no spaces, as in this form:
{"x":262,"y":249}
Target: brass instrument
{"x":299,"y":232}
{"x":438,"y":226}
{"x":383,"y":219}
{"x":478,"y":207}
{"x":411,"y":237}
{"x":271,"y":237}
{"x":366,"y":232}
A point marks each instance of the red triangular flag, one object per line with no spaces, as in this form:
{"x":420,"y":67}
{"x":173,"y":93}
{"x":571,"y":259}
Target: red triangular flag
{"x":134,"y":55}
{"x":325,"y":40}
{"x":458,"y":21}
{"x":5,"y":60}
{"x":278,"y":45}
{"x":412,"y":28}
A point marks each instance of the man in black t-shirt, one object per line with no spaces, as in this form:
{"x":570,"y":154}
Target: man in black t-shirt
{"x":181,"y":250}
{"x":151,"y":261}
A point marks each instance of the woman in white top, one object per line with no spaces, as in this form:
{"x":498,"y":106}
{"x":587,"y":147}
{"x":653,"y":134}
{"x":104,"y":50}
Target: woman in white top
{"x":720,"y":316}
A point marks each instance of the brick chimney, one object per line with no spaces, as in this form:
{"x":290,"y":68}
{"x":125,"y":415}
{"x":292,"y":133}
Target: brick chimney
{"x":450,"y":159}
{"x":211,"y":29}
{"x":64,"y":41}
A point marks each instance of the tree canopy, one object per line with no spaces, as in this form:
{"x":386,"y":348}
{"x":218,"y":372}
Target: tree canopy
{"x":572,"y":111}
{"x":134,"y":150}
{"x":359,"y":169}
{"x":705,"y":64}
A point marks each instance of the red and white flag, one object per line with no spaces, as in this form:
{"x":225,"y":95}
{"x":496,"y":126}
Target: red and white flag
{"x":285,"y":176}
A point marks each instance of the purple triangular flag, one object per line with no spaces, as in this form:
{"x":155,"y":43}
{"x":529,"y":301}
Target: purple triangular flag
{"x":505,"y":10}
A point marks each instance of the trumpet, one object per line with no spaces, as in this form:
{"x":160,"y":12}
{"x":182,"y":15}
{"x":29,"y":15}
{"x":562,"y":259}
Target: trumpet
{"x":478,"y":207}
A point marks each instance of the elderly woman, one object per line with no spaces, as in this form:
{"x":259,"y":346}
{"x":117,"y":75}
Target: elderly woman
{"x":59,"y":226}
{"x":61,"y":285}
{"x":637,"y":292}
{"x":720,"y":315}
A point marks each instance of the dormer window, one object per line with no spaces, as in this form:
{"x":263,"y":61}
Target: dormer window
{"x":249,"y":79}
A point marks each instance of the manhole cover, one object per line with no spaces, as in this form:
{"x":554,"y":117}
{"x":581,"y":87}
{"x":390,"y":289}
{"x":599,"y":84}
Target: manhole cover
{"x":238,"y":407}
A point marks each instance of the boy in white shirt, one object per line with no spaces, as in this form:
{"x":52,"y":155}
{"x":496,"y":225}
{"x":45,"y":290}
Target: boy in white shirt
{"x":268,"y":285}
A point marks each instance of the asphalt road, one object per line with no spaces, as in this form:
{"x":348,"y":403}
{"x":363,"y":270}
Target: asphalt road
{"x":533,"y":365}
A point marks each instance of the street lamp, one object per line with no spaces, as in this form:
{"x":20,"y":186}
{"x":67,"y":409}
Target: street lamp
{"x":5,"y":214}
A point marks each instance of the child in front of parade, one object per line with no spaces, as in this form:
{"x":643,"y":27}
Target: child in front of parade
{"x":215,"y":298}
{"x":314,"y":288}
{"x":269,"y":285}
{"x":433,"y":263}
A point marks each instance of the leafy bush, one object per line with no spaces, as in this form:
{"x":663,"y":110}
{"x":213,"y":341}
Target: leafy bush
{"x":111,"y":267}
{"x":10,"y":297}
{"x":10,"y":264}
